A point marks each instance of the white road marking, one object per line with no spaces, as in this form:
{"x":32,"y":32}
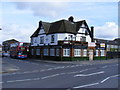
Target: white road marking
{"x":108,"y":78}
{"x":67,"y":66}
{"x":1,"y":82}
{"x":110,"y":66}
{"x":49,"y":69}
{"x":62,"y":73}
{"x":115,"y":76}
{"x":104,"y":80}
{"x":73,"y":66}
{"x":49,"y":65}
{"x":50,"y":76}
{"x":89,"y":74}
{"x":42,"y":70}
{"x":19,"y":80}
{"x":77,"y":71}
{"x":86,"y":85}
{"x":104,"y":66}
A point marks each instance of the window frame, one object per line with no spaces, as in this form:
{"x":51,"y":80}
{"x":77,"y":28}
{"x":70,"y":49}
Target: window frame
{"x":42,"y":40}
{"x":45,"y":52}
{"x":85,"y":52}
{"x":57,"y":52}
{"x":52,"y":38}
{"x":96,"y":52}
{"x":77,"y":52}
{"x":38,"y":51}
{"x":52,"y":51}
{"x":66,"y":52}
{"x":101,"y":53}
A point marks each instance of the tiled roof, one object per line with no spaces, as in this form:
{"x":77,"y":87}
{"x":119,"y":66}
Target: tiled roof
{"x":61,"y":26}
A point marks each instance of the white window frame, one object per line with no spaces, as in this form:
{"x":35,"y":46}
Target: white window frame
{"x":52,"y":52}
{"x":77,"y":52}
{"x":84,"y":52}
{"x":97,"y":53}
{"x":66,"y":52}
{"x":57,"y":52}
{"x":102,"y":52}
{"x":42,"y":40}
{"x":38,"y":51}
{"x":45,"y":51}
{"x":52,"y":38}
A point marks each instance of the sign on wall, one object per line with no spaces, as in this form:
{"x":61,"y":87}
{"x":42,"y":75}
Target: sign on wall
{"x":102,"y":44}
{"x":92,"y":44}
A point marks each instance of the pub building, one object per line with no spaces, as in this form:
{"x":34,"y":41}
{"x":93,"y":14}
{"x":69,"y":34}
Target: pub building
{"x":65,"y":40}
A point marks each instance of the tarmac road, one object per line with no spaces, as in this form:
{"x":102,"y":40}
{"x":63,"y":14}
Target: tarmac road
{"x":32,"y":73}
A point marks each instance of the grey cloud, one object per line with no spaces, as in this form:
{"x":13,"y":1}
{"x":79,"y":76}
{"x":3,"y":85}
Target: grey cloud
{"x":41,"y":8}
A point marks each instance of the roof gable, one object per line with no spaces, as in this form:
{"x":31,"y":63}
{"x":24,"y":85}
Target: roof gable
{"x":61,"y":26}
{"x":45,"y":26}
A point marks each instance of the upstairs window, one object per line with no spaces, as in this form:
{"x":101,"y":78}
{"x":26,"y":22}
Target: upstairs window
{"x":52,"y":38}
{"x":35,"y":40}
{"x":42,"y":40}
{"x":83,"y":39}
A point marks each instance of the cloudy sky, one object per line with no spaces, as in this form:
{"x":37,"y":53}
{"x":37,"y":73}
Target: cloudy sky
{"x":19,"y":20}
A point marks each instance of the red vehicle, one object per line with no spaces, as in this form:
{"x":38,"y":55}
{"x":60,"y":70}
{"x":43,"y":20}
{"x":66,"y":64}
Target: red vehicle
{"x":19,"y":50}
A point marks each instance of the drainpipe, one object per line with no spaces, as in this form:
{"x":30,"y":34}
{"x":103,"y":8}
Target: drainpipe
{"x":92,"y":34}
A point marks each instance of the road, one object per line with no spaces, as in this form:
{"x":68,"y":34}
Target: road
{"x":40,"y":74}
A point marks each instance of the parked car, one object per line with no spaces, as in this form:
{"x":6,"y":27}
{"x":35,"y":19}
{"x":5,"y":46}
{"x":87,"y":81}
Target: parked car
{"x":5,"y":55}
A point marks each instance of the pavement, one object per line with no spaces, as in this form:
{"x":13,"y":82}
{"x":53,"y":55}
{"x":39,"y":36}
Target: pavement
{"x":8,"y":67}
{"x":85,"y":62}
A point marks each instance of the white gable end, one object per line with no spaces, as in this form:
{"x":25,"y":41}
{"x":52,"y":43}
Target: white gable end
{"x":41,"y":31}
{"x":82,"y":30}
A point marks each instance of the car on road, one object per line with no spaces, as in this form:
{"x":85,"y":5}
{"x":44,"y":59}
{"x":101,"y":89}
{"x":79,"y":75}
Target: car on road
{"x":5,"y":55}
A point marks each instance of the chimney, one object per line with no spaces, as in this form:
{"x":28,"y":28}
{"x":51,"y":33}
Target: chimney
{"x":40,"y":23}
{"x":92,"y":33}
{"x":71,"y":19}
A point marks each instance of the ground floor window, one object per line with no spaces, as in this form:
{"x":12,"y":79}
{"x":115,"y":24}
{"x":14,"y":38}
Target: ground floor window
{"x":96,"y":53}
{"x":45,"y":52}
{"x":57,"y":52}
{"x":32,"y":51}
{"x":66,"y":52}
{"x":77,"y":52}
{"x":37,"y":51}
{"x":84,"y":52}
{"x":52,"y":52}
{"x":102,"y":52}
